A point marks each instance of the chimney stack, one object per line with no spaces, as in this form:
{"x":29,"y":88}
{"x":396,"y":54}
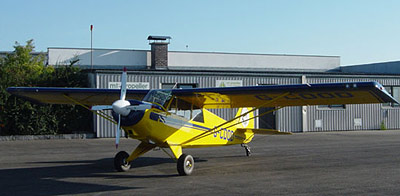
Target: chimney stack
{"x":159,"y":51}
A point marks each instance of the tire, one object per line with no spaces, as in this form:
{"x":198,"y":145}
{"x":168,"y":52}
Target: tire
{"x":120,"y":163}
{"x":185,"y":165}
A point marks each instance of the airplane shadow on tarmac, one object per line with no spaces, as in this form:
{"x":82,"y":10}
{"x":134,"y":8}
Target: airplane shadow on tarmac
{"x":52,"y":180}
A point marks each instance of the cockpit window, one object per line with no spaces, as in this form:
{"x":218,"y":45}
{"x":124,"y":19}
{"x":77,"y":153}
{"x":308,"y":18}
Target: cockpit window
{"x":183,"y":108}
{"x":158,"y":96}
{"x":198,"y":117}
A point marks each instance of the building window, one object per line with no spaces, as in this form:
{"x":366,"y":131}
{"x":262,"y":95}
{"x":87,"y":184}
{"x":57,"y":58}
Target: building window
{"x":177,"y":85}
{"x":338,"y":106}
{"x":395,"y":92}
{"x":396,"y":95}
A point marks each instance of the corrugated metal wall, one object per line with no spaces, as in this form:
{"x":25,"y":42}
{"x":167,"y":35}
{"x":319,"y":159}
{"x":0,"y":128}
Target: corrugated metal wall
{"x":288,"y":119}
{"x":371,"y":115}
{"x":107,"y":129}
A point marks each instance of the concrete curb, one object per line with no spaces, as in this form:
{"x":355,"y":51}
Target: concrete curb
{"x":48,"y":137}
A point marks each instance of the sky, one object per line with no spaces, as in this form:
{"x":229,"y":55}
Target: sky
{"x":359,"y":31}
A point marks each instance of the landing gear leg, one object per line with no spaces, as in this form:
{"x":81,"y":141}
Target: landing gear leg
{"x":247,"y":149}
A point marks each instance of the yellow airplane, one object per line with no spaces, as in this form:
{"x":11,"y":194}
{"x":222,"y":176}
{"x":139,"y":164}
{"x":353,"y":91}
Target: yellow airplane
{"x":178,"y":118}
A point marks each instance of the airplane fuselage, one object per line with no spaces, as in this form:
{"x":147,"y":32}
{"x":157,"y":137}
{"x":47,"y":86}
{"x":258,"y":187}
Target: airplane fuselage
{"x":165,"y":128}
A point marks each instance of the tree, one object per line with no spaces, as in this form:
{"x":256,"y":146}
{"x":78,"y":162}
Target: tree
{"x":20,"y":117}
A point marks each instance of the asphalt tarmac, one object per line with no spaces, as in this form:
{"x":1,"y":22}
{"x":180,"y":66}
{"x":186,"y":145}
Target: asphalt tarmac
{"x":329,"y":163}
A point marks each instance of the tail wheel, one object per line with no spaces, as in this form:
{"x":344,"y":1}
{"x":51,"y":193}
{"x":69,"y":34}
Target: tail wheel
{"x":247,"y":149}
{"x":185,"y":165}
{"x":120,"y":163}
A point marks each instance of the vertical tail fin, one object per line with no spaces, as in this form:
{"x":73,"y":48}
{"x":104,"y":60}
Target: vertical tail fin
{"x":244,"y":122}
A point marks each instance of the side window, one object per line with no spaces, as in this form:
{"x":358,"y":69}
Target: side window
{"x":178,"y":106}
{"x":199,"y":117}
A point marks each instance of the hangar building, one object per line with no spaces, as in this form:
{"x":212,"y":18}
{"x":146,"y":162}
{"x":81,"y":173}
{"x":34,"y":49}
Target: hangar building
{"x":159,"y":68}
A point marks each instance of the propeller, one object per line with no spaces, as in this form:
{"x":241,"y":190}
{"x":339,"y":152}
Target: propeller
{"x":122,"y":107}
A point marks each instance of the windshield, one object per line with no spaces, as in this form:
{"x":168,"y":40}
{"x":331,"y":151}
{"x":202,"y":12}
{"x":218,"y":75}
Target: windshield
{"x":158,"y":96}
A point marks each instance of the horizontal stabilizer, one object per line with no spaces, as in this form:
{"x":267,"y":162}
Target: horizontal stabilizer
{"x":263,"y":131}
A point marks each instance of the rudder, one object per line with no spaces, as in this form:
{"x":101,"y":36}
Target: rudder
{"x":244,"y":122}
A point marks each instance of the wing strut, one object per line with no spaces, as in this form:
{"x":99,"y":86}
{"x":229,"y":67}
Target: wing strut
{"x":262,"y":114}
{"x":211,"y":131}
{"x":99,"y":113}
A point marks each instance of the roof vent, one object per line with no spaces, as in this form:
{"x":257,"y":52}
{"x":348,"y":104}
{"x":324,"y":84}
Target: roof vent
{"x":158,"y":39}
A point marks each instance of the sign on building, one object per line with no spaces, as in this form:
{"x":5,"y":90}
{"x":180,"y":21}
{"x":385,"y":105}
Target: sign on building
{"x":318,"y":123}
{"x":228,"y":83}
{"x":358,"y":122}
{"x":129,"y":85}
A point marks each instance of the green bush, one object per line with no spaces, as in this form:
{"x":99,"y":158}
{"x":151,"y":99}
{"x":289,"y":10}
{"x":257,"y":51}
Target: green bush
{"x":20,"y":117}
{"x":383,"y":126}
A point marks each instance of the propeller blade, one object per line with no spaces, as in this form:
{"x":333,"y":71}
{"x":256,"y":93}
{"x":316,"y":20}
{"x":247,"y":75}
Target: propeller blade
{"x":118,"y":133}
{"x":119,"y":105}
{"x":123,"y":84}
{"x":101,"y":107}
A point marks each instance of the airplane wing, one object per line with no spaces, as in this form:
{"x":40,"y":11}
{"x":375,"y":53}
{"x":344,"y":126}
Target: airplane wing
{"x":286,"y":95}
{"x":86,"y":96}
{"x":227,"y":97}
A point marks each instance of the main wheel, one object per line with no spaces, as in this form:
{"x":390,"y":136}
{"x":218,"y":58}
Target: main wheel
{"x":185,"y":165}
{"x":120,"y":163}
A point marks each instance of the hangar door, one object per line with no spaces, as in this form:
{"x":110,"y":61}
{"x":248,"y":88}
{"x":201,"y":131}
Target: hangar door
{"x":267,"y":121}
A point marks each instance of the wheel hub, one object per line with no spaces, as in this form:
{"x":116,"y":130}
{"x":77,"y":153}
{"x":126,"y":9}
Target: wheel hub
{"x":188,"y":164}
